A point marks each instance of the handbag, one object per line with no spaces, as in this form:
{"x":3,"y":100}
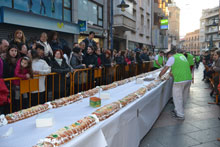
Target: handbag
{"x":4,"y":92}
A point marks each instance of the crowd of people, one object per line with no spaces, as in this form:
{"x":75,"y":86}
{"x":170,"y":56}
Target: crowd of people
{"x":211,"y":61}
{"x":49,"y":54}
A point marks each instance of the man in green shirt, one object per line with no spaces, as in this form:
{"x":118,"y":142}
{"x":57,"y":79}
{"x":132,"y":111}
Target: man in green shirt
{"x":159,"y":60}
{"x":182,"y":76}
{"x":190,"y":58}
{"x":197,"y":59}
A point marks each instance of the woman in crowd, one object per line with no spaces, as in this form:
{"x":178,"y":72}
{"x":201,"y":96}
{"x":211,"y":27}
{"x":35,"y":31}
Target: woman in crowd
{"x":114,"y":54}
{"x":9,"y":64}
{"x":99,"y":57}
{"x":67,"y":53}
{"x":107,"y":63}
{"x":216,"y":68}
{"x":39,"y":67}
{"x":120,"y":58}
{"x":19,"y":39}
{"x":126,"y":56}
{"x":151,"y":56}
{"x":59,"y":65}
{"x":23,"y":70}
{"x":54,"y":41}
{"x":43,"y":41}
{"x":76,"y":59}
{"x":24,"y":50}
{"x":76,"y":63}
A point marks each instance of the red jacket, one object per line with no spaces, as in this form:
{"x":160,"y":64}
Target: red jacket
{"x":128,"y":61}
{"x":19,"y":73}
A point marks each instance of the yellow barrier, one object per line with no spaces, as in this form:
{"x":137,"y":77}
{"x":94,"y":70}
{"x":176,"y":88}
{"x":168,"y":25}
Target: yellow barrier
{"x":77,"y":81}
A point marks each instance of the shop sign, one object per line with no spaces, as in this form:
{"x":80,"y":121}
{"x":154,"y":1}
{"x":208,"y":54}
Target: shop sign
{"x":82,"y":26}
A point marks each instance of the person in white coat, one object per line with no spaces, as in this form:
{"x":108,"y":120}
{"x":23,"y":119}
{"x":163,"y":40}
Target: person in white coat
{"x":39,"y":67}
{"x":43,"y":41}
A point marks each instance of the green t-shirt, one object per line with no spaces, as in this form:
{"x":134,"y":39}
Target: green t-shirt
{"x":160,"y":61}
{"x":190,"y":59}
{"x":181,"y":69}
{"x":197,"y":59}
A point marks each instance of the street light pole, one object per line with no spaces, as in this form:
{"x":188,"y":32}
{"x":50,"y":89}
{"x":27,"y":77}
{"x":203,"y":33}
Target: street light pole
{"x":123,"y":5}
{"x":111,"y":25}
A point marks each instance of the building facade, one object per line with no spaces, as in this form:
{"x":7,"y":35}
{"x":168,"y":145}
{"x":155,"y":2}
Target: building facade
{"x":191,"y":43}
{"x":159,"y":36}
{"x":133,"y":26}
{"x":37,"y":16}
{"x":208,"y":29}
{"x":174,"y":25}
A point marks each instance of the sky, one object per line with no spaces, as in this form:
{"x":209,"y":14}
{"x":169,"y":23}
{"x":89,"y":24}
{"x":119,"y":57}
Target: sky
{"x":190,"y":13}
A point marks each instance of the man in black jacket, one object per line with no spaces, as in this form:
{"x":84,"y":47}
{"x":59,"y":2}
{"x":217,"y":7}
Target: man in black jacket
{"x":89,"y":41}
{"x":90,"y":59}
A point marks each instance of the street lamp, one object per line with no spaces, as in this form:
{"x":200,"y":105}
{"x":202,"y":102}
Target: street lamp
{"x":123,"y":5}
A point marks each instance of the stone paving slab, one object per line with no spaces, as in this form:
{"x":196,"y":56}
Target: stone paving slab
{"x":200,"y":128}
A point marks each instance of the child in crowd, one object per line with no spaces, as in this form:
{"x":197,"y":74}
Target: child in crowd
{"x":23,"y":70}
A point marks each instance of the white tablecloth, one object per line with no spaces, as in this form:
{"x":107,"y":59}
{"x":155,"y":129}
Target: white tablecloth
{"x":125,"y":128}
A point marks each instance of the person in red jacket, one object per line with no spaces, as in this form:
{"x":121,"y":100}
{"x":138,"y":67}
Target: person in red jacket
{"x":24,"y":71}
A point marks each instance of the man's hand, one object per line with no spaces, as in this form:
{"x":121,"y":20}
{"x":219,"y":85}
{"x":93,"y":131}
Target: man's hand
{"x":164,"y":70}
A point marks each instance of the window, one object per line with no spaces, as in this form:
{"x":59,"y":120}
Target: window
{"x":148,"y":23}
{"x":59,"y":9}
{"x":100,"y":16}
{"x":22,"y":5}
{"x":43,"y":8}
{"x":83,"y":11}
{"x":142,"y":20}
{"x":91,"y":12}
{"x":6,"y":3}
{"x":67,"y":10}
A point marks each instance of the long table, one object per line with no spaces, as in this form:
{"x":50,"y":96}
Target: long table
{"x":125,"y":128}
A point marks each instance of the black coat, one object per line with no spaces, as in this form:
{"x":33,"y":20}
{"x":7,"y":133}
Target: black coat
{"x":62,"y":70}
{"x":55,"y":45}
{"x":120,"y":60}
{"x":90,"y":60}
{"x":106,"y":62}
{"x":8,"y":69}
{"x":145,"y":57}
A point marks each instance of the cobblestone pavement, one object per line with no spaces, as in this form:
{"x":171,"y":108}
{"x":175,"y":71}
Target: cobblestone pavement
{"x":201,"y":126}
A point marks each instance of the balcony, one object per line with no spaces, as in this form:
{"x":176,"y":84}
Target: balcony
{"x":211,"y":15}
{"x":212,"y":31}
{"x":213,"y":39}
{"x":124,"y":23}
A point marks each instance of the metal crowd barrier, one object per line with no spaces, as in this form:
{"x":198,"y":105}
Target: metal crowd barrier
{"x":62,"y":85}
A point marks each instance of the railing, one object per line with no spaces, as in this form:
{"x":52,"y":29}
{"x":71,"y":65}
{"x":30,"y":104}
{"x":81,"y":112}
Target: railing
{"x":62,"y":85}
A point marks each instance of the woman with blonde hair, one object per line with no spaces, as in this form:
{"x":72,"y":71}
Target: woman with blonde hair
{"x":19,"y":39}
